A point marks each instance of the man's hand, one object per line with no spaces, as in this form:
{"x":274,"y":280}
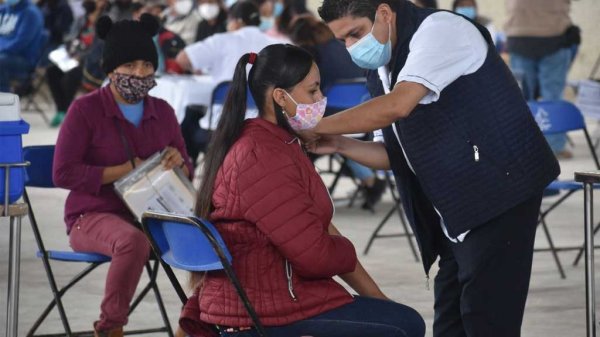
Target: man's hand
{"x":325,"y":144}
{"x":308,"y":136}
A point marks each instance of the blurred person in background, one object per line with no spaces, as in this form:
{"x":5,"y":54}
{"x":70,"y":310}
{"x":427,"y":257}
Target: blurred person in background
{"x":469,"y":9}
{"x":168,"y":44}
{"x":218,"y":54}
{"x":214,"y":18}
{"x":64,"y":85}
{"x":58,"y":21}
{"x":540,"y":35}
{"x":182,"y":18}
{"x":336,"y":64}
{"x":21,"y":41}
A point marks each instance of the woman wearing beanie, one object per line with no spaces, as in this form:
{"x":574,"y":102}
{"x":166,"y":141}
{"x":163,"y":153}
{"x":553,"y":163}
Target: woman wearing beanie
{"x":105,"y":134}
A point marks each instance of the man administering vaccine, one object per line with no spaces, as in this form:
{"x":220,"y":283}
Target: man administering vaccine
{"x":470,"y":161}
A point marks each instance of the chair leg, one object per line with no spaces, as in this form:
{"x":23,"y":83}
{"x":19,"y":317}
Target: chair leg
{"x":58,"y":294}
{"x":413,"y":249}
{"x":552,"y":247}
{"x":580,"y":253}
{"x":159,"y":300}
{"x":379,"y":227}
{"x":50,"y":275}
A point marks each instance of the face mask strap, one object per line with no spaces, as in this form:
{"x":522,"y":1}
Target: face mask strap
{"x":292,"y":98}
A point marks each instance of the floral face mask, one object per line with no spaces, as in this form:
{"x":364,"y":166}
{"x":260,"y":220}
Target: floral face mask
{"x":307,"y":115}
{"x":133,"y":88}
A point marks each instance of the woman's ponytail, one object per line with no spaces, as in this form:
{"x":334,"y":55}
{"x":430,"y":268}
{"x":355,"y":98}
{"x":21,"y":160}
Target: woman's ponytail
{"x":227,"y":133}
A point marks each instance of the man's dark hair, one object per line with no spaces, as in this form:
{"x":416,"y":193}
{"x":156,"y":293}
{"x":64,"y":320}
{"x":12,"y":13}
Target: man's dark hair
{"x":332,"y":10}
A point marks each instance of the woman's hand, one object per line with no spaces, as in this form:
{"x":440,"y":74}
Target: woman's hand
{"x":172,"y":158}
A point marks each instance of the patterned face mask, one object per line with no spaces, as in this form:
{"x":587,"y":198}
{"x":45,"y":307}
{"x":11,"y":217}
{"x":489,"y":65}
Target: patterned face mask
{"x":307,"y":115}
{"x":133,"y":88}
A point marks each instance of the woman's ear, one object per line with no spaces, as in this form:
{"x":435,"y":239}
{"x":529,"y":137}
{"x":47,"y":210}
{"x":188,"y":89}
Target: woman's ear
{"x":279,"y":97}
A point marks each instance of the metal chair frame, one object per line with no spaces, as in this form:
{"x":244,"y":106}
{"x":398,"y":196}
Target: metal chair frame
{"x":208,"y":230}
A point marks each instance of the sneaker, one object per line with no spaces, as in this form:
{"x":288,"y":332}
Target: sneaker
{"x":58,"y":119}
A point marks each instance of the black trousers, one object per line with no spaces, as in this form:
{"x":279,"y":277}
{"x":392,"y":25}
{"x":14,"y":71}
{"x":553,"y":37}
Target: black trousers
{"x":64,"y":86}
{"x":482,"y":284}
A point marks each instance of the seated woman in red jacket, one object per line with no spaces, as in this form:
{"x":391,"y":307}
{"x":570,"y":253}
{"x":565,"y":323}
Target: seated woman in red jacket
{"x":270,"y":205}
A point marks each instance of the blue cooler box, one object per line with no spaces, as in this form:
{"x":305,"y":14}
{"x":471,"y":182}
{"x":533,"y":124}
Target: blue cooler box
{"x":11,"y":151}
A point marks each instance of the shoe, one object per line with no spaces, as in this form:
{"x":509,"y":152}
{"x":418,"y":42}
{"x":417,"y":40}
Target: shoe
{"x":58,"y":119}
{"x":564,"y":154}
{"x":116,"y":332}
{"x":373,"y":194}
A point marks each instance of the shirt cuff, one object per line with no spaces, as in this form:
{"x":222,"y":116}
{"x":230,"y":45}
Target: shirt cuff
{"x":434,"y":91}
{"x":378,"y":136}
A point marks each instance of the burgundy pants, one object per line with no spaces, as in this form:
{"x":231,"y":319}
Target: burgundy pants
{"x":117,"y":237}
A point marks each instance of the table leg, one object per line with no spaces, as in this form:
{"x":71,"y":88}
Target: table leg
{"x":590,"y":289}
{"x":12,"y":312}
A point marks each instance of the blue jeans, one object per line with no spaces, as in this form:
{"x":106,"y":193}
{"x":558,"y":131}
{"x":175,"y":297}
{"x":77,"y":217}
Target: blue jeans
{"x":359,"y":171}
{"x":365,"y":317}
{"x":549,"y":76}
{"x":12,"y":67}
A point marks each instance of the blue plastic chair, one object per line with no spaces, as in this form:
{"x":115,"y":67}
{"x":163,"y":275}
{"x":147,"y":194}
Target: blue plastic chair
{"x":39,"y":175}
{"x":560,"y":117}
{"x":219,"y":95}
{"x":342,"y":95}
{"x":192,"y":244}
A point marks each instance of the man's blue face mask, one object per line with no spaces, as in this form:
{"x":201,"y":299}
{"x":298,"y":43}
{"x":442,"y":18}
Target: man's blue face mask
{"x":277,"y":9}
{"x":368,"y":53}
{"x":470,"y":11}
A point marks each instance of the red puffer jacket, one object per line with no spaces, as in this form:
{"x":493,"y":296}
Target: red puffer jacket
{"x":273,"y":210}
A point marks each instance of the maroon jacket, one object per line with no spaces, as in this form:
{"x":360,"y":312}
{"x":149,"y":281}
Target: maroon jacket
{"x":271,"y":207}
{"x":89,"y":141}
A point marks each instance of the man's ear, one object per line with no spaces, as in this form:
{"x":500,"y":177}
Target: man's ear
{"x":279,"y":97}
{"x":385,"y":12}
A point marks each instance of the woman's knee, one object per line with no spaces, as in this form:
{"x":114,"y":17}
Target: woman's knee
{"x":133,"y":242}
{"x":416,"y":324}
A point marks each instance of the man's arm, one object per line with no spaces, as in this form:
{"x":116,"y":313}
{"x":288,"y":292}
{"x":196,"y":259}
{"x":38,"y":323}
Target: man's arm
{"x":375,"y":114}
{"x":183,"y":60}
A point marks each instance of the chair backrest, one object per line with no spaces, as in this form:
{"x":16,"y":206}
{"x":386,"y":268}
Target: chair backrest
{"x":184,"y":242}
{"x":557,"y":116}
{"x":345,"y":94}
{"x":39,"y":173}
{"x":219,"y":95}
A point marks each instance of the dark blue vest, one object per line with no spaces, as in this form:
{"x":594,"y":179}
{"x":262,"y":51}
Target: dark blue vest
{"x":483,"y":112}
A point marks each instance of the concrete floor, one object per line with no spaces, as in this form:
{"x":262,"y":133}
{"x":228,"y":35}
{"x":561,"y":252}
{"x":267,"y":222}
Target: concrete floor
{"x":555,"y":307}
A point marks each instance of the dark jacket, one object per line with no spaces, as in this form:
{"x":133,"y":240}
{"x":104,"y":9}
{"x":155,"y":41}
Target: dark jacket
{"x":483,"y":112}
{"x":21,"y":31}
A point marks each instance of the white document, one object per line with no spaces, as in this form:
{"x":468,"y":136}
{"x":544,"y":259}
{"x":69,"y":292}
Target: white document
{"x":150,"y":187}
{"x":62,"y":59}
